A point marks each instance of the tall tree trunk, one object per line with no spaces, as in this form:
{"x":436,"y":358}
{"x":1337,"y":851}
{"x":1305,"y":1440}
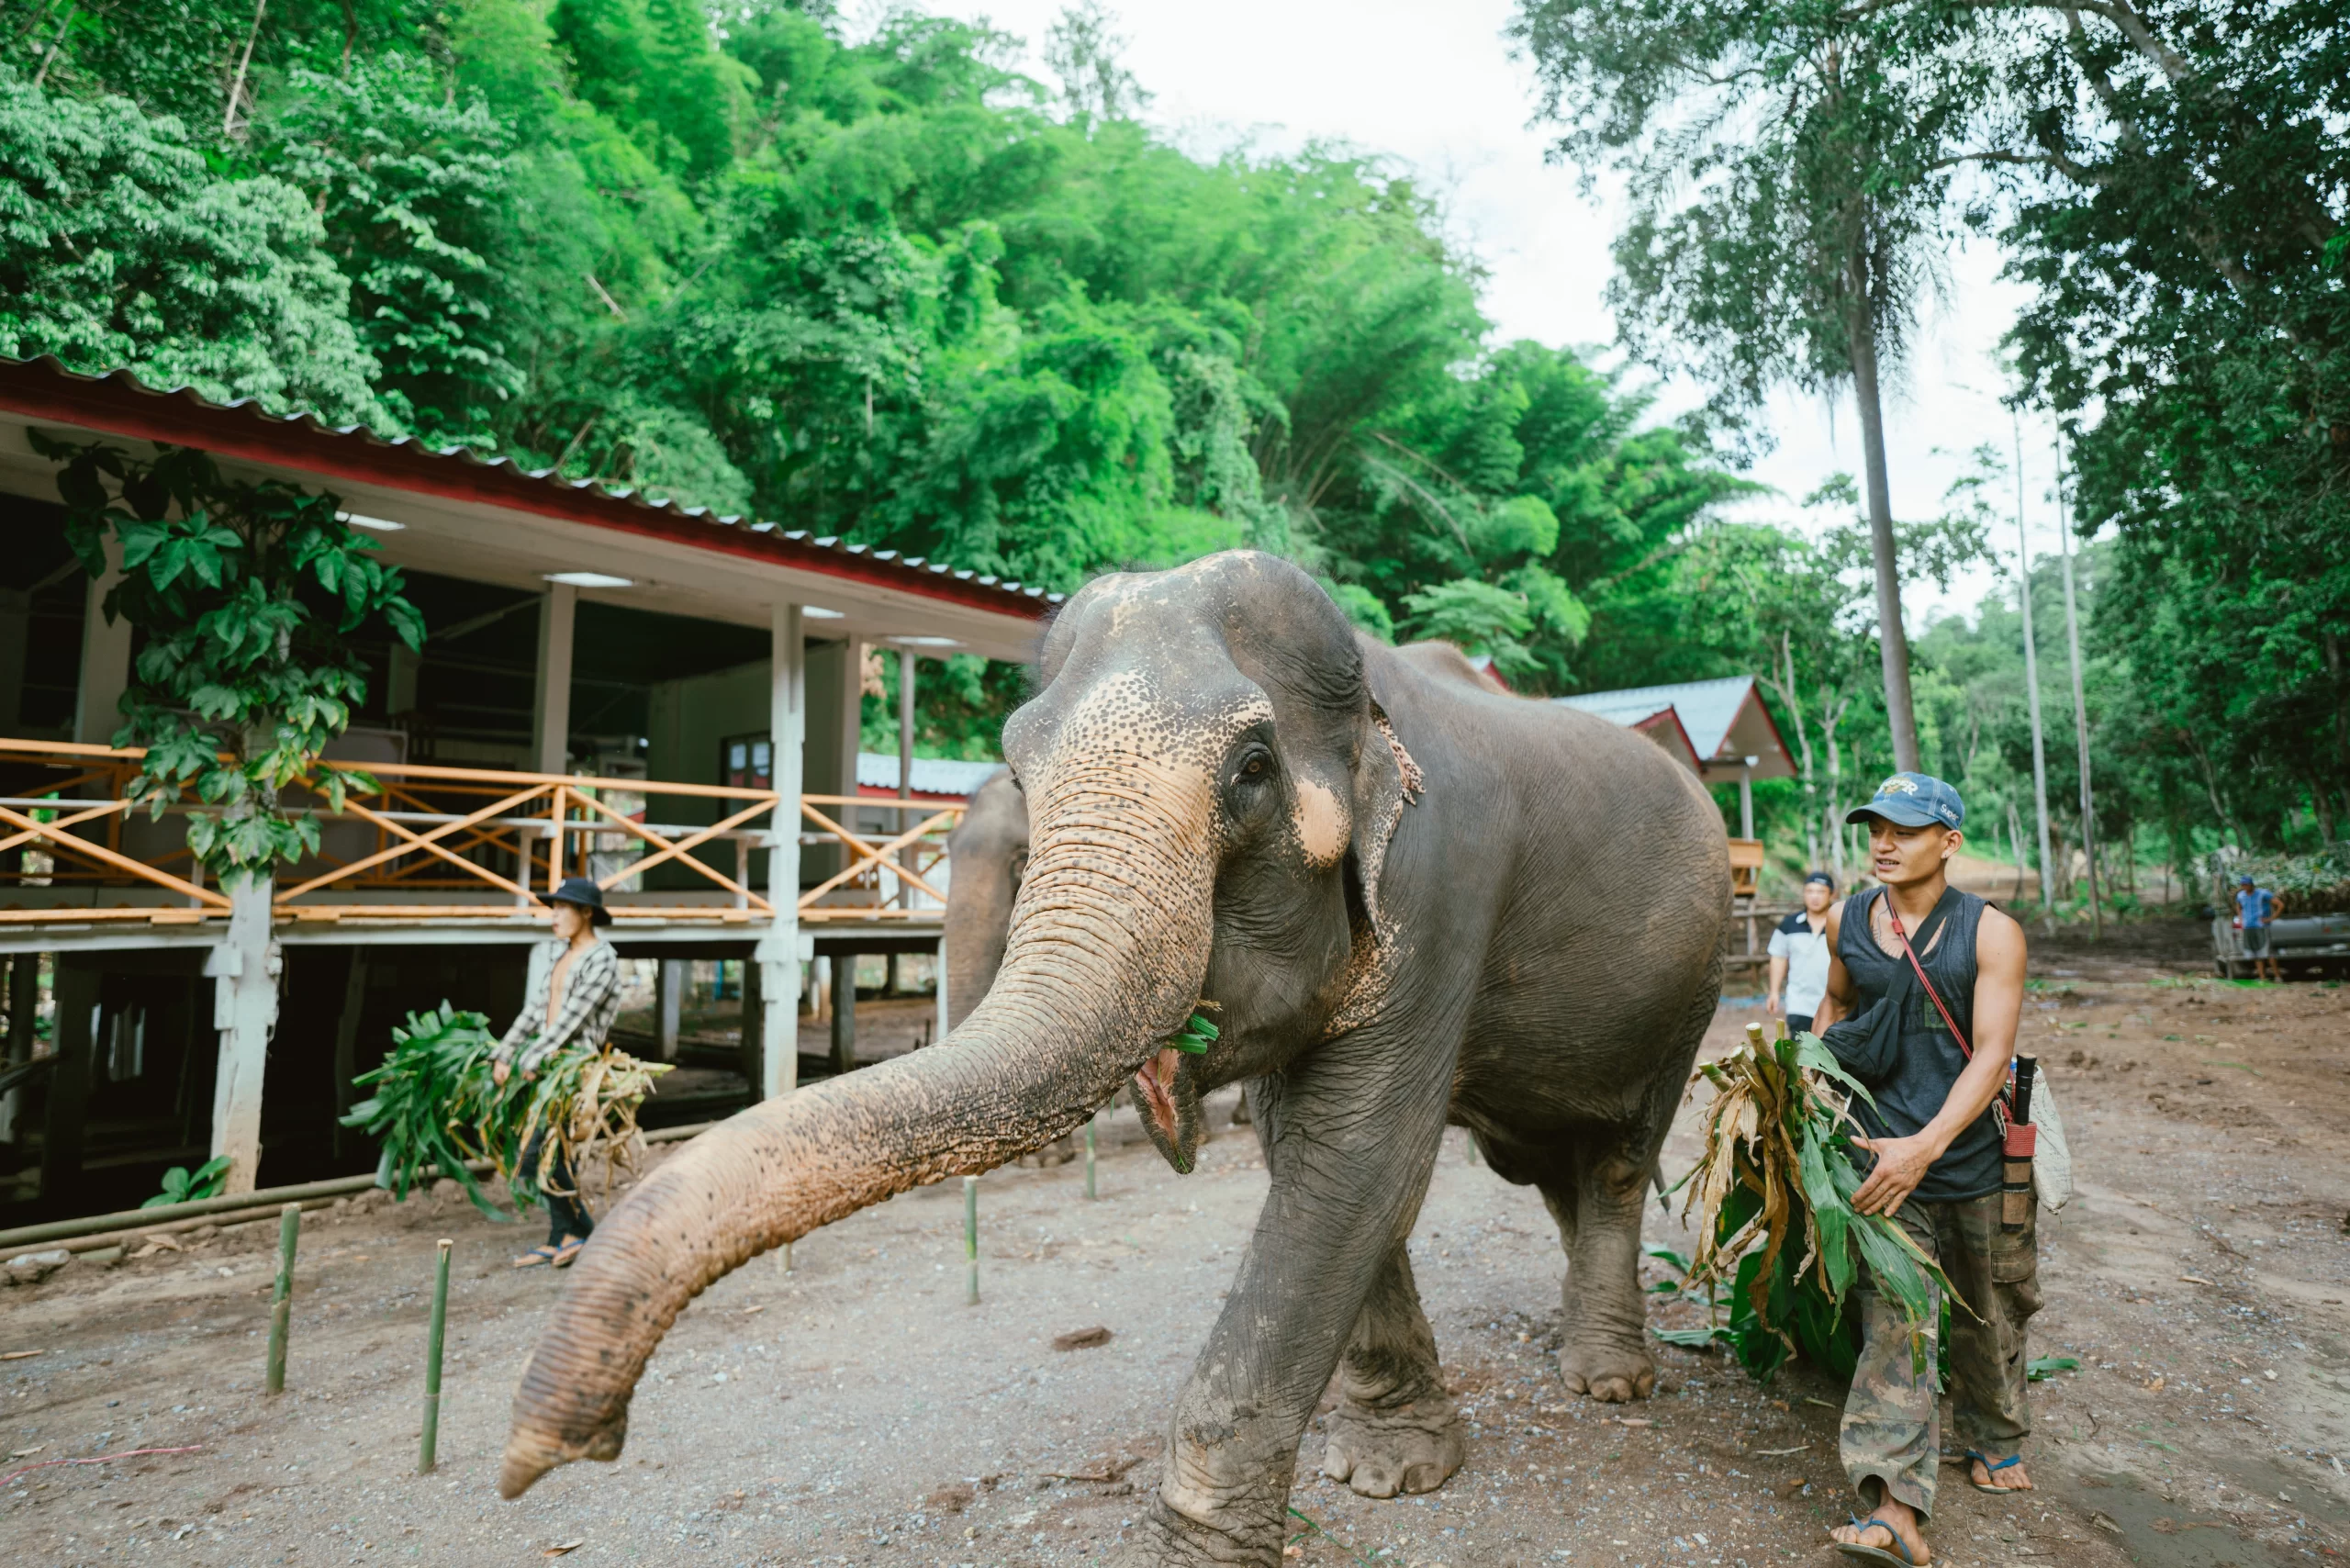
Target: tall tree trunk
{"x":2341,"y":711}
{"x":1892,"y":642}
{"x":1830,"y":715}
{"x":237,"y":86}
{"x":1782,"y":681}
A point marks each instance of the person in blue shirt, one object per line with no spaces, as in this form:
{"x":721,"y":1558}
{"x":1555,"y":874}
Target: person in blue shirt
{"x":2255,"y":908}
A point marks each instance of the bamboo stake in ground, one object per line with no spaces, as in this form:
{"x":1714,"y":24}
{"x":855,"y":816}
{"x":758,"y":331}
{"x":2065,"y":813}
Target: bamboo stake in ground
{"x":971,"y":1237}
{"x":281,"y":1311}
{"x":434,"y":1335}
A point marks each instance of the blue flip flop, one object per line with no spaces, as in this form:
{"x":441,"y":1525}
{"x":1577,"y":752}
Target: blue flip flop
{"x":1876,"y":1553}
{"x":1974,"y":1455}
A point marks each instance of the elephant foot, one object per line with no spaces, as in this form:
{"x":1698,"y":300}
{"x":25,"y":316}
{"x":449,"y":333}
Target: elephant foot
{"x":1609,"y":1373}
{"x":1413,"y":1447}
{"x":1165,"y":1539}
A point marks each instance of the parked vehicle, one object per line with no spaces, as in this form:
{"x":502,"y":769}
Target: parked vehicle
{"x":2319,"y":942}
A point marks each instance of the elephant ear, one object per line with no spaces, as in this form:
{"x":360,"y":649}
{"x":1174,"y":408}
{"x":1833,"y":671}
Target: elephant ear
{"x":1386,"y":780}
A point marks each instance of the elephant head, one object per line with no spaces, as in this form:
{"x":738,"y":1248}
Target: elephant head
{"x":1211,"y":789}
{"x":989,"y":852}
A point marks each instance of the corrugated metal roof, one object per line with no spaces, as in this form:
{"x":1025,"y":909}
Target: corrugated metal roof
{"x":1706,"y":708}
{"x":933,"y":775}
{"x":118,"y":402}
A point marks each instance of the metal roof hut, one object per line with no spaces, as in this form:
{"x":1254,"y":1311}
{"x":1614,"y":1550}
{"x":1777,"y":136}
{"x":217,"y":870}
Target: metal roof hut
{"x":657,"y":696}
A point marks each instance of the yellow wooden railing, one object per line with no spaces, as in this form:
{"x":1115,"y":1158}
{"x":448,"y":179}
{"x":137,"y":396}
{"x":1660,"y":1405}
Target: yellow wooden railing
{"x":66,"y":824}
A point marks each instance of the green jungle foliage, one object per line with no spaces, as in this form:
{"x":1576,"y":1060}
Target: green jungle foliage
{"x":2170,"y":180}
{"x":874,"y":281}
{"x":245,"y":596}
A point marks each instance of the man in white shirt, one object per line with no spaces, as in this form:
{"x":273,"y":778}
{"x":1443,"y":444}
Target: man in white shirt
{"x":1799,"y":956}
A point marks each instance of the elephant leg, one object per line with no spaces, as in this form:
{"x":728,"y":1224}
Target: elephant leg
{"x":1597,"y":1203}
{"x":1395,"y":1429}
{"x":1351,"y":1138}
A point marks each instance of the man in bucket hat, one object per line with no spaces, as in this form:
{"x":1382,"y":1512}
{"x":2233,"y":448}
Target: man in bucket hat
{"x":573,"y":1002}
{"x":1929,"y":984}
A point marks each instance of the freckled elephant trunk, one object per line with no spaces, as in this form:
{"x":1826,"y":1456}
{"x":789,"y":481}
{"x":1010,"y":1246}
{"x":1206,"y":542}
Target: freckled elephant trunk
{"x":1106,"y":953}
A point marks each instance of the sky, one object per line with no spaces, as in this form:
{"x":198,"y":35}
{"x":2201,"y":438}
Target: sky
{"x":1433,"y":85}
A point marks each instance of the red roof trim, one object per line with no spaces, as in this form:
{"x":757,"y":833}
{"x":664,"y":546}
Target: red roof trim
{"x":118,"y":404}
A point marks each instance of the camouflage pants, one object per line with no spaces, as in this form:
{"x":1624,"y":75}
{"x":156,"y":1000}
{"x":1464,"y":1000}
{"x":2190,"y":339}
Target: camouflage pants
{"x":1891,"y":1438}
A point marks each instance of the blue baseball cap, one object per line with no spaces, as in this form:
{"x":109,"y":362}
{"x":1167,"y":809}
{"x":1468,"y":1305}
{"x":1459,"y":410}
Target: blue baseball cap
{"x":1913,"y":800}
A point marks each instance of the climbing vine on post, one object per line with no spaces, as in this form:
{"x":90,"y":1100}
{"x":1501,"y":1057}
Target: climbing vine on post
{"x":246,"y":595}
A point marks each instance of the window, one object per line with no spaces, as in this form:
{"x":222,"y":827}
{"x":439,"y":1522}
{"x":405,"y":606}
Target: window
{"x":747,"y":762}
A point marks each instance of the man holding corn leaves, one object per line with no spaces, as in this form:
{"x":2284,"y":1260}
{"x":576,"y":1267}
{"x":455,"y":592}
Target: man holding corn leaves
{"x":1925,"y":988}
{"x":572,"y":1003}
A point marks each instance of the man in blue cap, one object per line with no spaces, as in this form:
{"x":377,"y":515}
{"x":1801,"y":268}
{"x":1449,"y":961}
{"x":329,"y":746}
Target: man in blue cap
{"x":1925,"y":989}
{"x":2255,"y":907}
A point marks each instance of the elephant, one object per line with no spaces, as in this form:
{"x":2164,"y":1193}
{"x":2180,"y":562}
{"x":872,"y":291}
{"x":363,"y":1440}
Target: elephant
{"x":1406,"y":900}
{"x":987,"y":854}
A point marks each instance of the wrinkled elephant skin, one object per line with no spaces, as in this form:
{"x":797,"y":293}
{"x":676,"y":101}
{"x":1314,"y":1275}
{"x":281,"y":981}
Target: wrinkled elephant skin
{"x":1406,"y":898}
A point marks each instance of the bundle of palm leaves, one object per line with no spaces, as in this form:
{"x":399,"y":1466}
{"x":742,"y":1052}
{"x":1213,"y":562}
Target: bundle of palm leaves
{"x":1776,"y":1167}
{"x":587,"y":1101}
{"x":437,"y":1108}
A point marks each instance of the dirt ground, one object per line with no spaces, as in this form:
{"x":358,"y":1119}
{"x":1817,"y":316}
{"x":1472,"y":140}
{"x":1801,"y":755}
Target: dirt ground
{"x":854,"y":1410}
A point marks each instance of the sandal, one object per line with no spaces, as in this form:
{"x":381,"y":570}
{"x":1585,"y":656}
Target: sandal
{"x":562,"y":1256}
{"x":536,"y":1256}
{"x":1975,"y":1456}
{"x":1876,"y":1554}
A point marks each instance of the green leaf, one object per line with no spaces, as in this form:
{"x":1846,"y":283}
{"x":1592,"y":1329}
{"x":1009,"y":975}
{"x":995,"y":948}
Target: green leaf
{"x":2042,"y":1367}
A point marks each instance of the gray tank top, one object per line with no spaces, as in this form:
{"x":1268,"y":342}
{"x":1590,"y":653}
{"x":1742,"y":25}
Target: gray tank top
{"x":1930,"y":1059}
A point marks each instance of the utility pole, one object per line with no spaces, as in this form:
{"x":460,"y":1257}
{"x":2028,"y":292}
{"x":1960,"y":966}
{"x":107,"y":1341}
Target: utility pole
{"x":2031,"y":677}
{"x":2081,"y":700}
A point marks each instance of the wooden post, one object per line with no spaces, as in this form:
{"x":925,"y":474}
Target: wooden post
{"x":106,"y":660}
{"x":668,"y":1004}
{"x":779,"y":953}
{"x":551,"y":702}
{"x":23,"y":996}
{"x":69,"y":1084}
{"x":280,"y":1307}
{"x":346,"y":1047}
{"x":434,"y":1335}
{"x":971,"y":1237}
{"x":844,"y":1012}
{"x":244,"y":969}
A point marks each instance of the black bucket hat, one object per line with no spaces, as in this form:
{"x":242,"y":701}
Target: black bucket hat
{"x":587,"y":895}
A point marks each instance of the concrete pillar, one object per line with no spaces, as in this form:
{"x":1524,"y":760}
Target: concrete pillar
{"x":399,"y":680}
{"x":105,"y":661}
{"x":551,"y":705}
{"x":668,"y":1004}
{"x":941,"y":963}
{"x":1746,"y":798}
{"x":779,"y":953}
{"x":244,"y":969}
{"x":346,"y":1049}
{"x":751,"y":1041}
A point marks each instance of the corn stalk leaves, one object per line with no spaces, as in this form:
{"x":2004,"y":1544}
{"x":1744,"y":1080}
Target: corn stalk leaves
{"x":1775,"y":1155}
{"x":437,"y":1105}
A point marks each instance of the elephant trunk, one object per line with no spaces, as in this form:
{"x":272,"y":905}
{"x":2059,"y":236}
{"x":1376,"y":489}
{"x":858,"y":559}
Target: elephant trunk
{"x":1105,"y":957}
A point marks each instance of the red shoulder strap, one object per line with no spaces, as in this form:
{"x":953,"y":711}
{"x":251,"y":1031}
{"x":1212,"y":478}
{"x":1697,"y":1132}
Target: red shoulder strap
{"x":1965,"y":1050}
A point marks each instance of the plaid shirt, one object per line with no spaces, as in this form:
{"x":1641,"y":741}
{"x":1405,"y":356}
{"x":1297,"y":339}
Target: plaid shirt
{"x":591,"y":1001}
